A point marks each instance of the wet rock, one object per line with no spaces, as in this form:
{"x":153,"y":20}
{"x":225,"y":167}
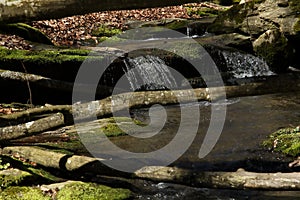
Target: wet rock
{"x":274,"y":48}
{"x":256,"y":19}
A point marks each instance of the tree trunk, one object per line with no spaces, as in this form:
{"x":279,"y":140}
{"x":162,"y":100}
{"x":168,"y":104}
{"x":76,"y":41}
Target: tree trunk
{"x":24,"y":10}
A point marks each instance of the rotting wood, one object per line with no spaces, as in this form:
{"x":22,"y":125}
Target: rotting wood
{"x":33,"y":127}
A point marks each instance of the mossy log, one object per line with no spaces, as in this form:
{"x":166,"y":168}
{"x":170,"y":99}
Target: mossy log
{"x":240,"y":179}
{"x":233,"y":180}
{"x":30,"y":128}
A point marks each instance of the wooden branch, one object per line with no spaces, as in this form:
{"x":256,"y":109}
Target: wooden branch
{"x":29,"y":10}
{"x":233,"y":180}
{"x":33,"y":127}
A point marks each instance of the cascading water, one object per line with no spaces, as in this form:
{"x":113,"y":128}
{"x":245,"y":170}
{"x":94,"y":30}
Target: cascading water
{"x":148,"y":73}
{"x":242,"y":65}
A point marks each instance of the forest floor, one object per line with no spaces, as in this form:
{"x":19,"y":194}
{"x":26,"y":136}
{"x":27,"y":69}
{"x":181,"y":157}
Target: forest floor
{"x":72,"y":31}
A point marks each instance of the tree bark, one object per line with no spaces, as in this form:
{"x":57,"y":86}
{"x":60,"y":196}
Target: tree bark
{"x":29,"y":10}
{"x":30,"y":128}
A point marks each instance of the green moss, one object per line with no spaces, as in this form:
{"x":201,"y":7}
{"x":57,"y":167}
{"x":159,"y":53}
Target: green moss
{"x":3,"y":165}
{"x":295,"y":6}
{"x":178,"y":24}
{"x":22,"y":193}
{"x":276,"y":54}
{"x":285,"y":140}
{"x":29,"y":175}
{"x":90,"y":191}
{"x":203,"y":12}
{"x":25,"y":31}
{"x":13,"y":177}
{"x":106,"y":31}
{"x":42,"y":57}
{"x":111,"y":128}
{"x":71,"y":147}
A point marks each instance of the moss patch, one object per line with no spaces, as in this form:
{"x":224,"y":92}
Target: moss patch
{"x":13,"y":177}
{"x":111,"y":127}
{"x":285,"y":140}
{"x":202,"y":12}
{"x":24,"y":173}
{"x":106,"y":31}
{"x":22,"y":193}
{"x":42,"y":57}
{"x":91,"y":191}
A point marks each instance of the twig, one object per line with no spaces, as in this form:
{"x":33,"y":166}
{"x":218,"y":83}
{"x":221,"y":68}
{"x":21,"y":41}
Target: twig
{"x":28,"y":85}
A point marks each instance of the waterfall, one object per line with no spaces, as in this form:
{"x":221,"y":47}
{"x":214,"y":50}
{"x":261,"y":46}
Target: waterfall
{"x":148,"y":73}
{"x":242,"y":65}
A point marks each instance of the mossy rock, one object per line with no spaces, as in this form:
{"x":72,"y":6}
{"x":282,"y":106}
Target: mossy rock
{"x":202,"y":12}
{"x":273,"y":47}
{"x":61,"y":64}
{"x":11,"y":176}
{"x":23,"y":173}
{"x":118,"y":126}
{"x":106,"y":31}
{"x":91,"y":191}
{"x":25,"y":31}
{"x":23,"y":193}
{"x":286,"y":140}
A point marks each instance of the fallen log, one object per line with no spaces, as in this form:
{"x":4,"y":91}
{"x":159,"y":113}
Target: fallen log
{"x":61,"y":161}
{"x":239,"y":179}
{"x":106,"y":106}
{"x":33,"y":127}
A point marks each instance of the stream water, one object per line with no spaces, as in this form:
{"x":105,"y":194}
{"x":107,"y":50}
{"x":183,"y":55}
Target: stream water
{"x":248,"y":122}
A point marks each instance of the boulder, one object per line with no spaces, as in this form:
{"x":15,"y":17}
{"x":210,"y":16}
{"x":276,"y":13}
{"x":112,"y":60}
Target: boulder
{"x":274,"y":48}
{"x":273,"y":25}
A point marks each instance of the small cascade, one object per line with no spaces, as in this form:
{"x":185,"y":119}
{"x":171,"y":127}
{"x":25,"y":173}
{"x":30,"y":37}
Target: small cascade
{"x":242,"y":65}
{"x":188,"y":31}
{"x":148,"y":73}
